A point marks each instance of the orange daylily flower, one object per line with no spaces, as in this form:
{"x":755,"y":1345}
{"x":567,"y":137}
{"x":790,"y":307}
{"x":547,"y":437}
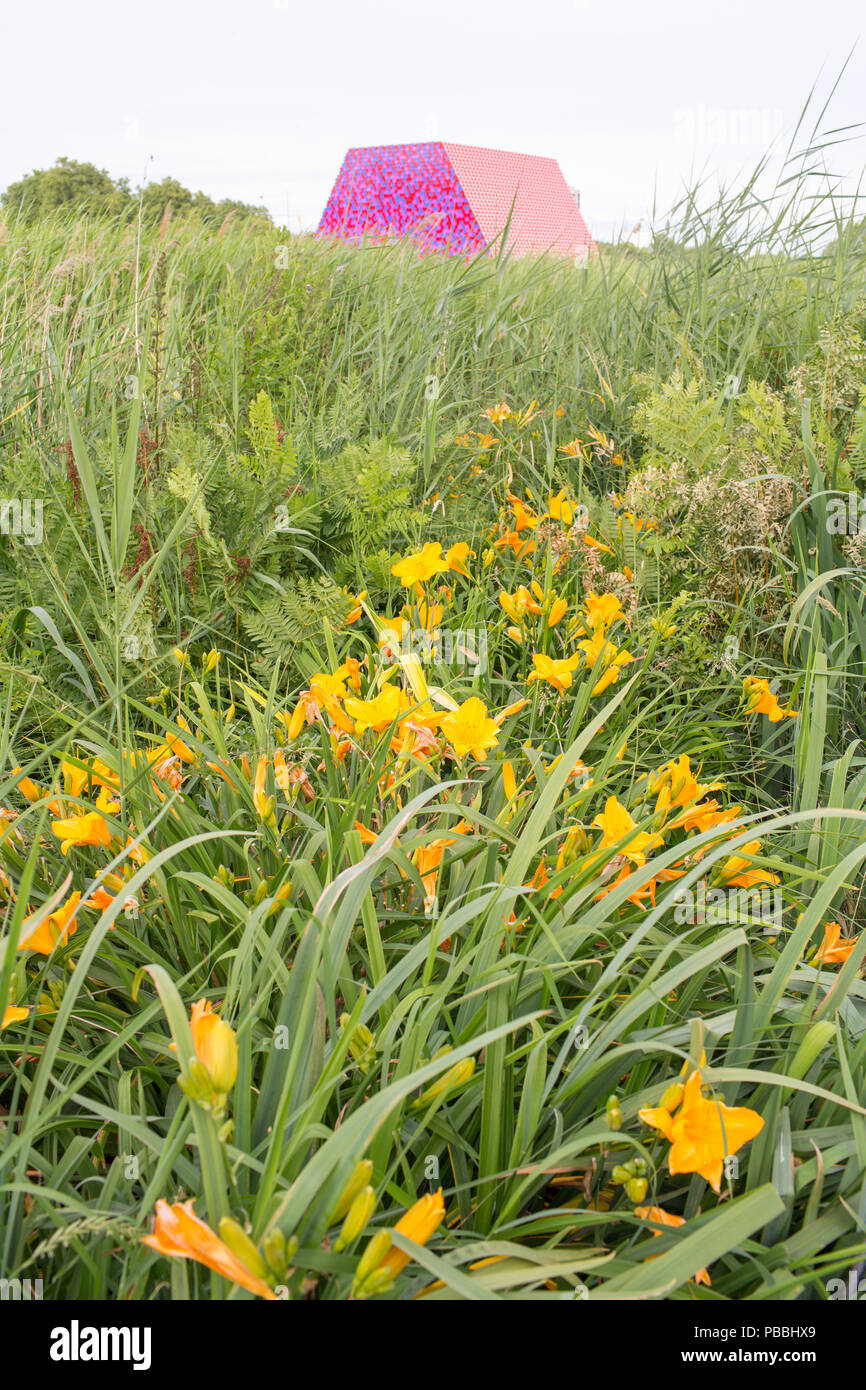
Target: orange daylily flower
{"x":514,"y":708}
{"x":574,"y":448}
{"x":55,"y":930}
{"x":761,"y":700}
{"x":355,"y":612}
{"x":558,"y":610}
{"x":216,"y":1045}
{"x":521,"y":546}
{"x":702,"y":1132}
{"x":834,"y":948}
{"x":420,"y":1222}
{"x":737,"y":872}
{"x":524,"y":518}
{"x":518,"y":604}
{"x":677,"y":787}
{"x":179,"y":1232}
{"x":596,"y":545}
{"x":28,"y":788}
{"x":659,"y":1217}
{"x":598,"y":649}
{"x":602,"y":610}
{"x":428,"y":858}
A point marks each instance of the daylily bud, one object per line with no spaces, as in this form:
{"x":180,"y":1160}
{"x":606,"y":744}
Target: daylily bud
{"x":361,"y":1175}
{"x":274,"y":1246}
{"x":636,"y":1189}
{"x":812,"y":1045}
{"x":380,"y":1281}
{"x":235,"y":1237}
{"x":509,"y":783}
{"x":362,"y":1046}
{"x":223,"y":1058}
{"x":621,"y":1174}
{"x":296,"y":722}
{"x":375,"y":1252}
{"x":28,"y":788}
{"x":613,"y":1113}
{"x":672,"y":1097}
{"x":216,"y":1049}
{"x":557,"y":612}
{"x":210,"y":661}
{"x":182,"y":657}
{"x":359,"y":1214}
{"x":198,"y":1073}
{"x":196,"y":1084}
{"x":455,"y":1076}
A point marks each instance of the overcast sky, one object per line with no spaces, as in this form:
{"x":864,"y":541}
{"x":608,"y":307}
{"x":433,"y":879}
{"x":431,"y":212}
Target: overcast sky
{"x":259,"y":100}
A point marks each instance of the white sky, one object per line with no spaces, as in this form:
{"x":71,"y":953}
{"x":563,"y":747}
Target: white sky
{"x":260,"y":100}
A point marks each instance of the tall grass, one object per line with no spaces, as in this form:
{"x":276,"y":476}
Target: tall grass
{"x":580,"y":999}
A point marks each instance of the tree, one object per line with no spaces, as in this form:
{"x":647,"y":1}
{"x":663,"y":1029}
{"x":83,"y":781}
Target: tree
{"x":84,"y":188}
{"x":156,"y":197}
{"x":68,"y":184}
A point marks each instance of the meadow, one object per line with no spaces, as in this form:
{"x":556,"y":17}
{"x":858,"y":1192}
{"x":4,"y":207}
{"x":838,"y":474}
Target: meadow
{"x":431,"y":763}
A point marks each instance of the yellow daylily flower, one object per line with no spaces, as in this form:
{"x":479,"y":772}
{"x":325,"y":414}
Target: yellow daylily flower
{"x":379,"y":713}
{"x":519,"y":604}
{"x":457,"y":556}
{"x":87,"y":829}
{"x":560,"y":509}
{"x":557,"y":672}
{"x":414,"y":570}
{"x":469,"y":729}
{"x":616,"y":823}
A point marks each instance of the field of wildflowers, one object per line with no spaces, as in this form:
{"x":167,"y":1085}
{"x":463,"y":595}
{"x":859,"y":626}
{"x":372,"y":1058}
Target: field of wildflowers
{"x":432,"y":830}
